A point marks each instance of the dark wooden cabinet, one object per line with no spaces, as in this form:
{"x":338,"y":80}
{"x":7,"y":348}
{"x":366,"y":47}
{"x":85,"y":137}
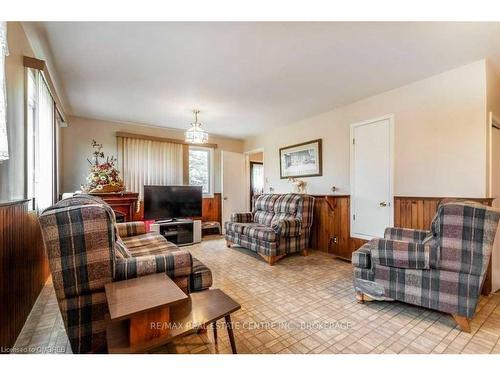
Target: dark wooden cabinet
{"x":124,"y":203}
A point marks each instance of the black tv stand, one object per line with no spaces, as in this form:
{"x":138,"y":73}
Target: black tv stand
{"x":179,"y":231}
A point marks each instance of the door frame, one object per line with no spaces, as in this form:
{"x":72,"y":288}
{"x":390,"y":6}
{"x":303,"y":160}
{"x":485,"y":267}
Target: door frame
{"x":389,"y":117}
{"x":251,"y":164}
{"x":247,"y":173}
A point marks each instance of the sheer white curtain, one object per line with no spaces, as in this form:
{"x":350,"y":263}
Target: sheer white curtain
{"x":4,"y":51}
{"x":44,"y":150}
{"x":145,"y":162}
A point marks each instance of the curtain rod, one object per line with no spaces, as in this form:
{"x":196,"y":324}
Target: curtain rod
{"x":162,"y":139}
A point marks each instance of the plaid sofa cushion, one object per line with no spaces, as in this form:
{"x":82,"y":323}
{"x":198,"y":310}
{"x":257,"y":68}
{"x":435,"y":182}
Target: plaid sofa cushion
{"x":404,"y":234}
{"x":174,"y":264}
{"x":153,"y":248}
{"x":265,"y":202}
{"x":403,"y":254}
{"x":79,"y":241}
{"x":263,"y":210}
{"x":263,"y":217}
{"x":242,"y":217}
{"x":143,"y":239}
{"x":260,"y":232}
{"x":130,"y":229}
{"x":288,"y":203}
{"x":465,"y":231}
{"x":236,"y":227}
{"x":287,"y":227}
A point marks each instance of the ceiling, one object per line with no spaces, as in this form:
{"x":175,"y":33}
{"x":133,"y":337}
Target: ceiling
{"x":247,"y":77}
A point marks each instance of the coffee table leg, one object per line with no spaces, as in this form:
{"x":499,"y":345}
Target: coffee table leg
{"x":214,"y":327}
{"x":229,"y":328}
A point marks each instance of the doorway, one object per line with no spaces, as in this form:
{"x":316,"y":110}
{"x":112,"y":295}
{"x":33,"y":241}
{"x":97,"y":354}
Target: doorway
{"x":256,"y":176}
{"x":372,"y":177}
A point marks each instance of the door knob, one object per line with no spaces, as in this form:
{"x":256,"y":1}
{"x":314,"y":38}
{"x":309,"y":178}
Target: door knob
{"x":383,"y":204}
{"x":225,"y":198}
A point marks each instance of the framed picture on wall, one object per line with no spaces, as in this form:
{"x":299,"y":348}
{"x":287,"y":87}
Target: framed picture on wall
{"x":301,"y":160}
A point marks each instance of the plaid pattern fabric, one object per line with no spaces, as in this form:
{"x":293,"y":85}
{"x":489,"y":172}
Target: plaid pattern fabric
{"x":121,"y":250}
{"x":455,"y":260}
{"x":403,"y":254}
{"x":361,"y":257}
{"x":282,"y":225}
{"x":144,"y":239}
{"x":242,"y":217}
{"x":174,"y":264}
{"x":201,"y":277}
{"x":85,"y":254}
{"x":130,"y":229}
{"x":260,"y":232}
{"x":79,"y":241}
{"x":288,"y":227}
{"x":466,"y":231}
{"x":405,"y":234}
{"x":261,"y":247}
{"x":85,"y":319}
{"x":263,"y":210}
{"x":236,"y":227}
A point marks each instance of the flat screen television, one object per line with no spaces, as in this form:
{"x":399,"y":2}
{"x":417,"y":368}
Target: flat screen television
{"x":172,"y":202}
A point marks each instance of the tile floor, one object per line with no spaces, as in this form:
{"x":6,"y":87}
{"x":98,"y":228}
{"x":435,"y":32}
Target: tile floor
{"x":300,"y":305}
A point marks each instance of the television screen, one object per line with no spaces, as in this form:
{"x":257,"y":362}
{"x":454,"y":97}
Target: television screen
{"x":172,"y":202}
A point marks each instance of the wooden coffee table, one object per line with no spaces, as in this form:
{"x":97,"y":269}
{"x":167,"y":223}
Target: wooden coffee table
{"x":148,"y":312}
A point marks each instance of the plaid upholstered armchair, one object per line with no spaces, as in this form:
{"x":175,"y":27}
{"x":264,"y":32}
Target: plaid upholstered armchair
{"x":441,"y":269}
{"x":280,"y":224}
{"x":86,"y":251}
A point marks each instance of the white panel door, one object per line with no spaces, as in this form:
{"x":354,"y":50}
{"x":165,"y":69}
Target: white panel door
{"x":371,"y":178}
{"x":233,"y":184}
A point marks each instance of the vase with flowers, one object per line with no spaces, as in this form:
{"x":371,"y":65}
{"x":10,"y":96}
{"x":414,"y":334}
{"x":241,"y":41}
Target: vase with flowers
{"x":103,"y":176}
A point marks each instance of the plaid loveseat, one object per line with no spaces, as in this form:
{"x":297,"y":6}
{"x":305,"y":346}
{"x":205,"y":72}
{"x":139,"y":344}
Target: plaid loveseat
{"x":441,"y":269}
{"x":87,"y":249}
{"x":280,"y":224}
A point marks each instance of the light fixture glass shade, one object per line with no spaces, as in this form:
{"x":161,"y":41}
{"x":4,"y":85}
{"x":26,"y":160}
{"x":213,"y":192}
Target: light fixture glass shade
{"x":195,"y":134}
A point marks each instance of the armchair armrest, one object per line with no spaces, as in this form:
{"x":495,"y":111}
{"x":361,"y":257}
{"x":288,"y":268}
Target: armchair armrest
{"x":133,"y":228}
{"x":405,"y":234}
{"x":403,"y":254}
{"x":174,"y":263}
{"x":242,"y":217}
{"x":287,"y":227}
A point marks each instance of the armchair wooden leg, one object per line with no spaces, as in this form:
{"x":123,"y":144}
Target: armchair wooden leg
{"x":359,"y":297}
{"x":463,"y":322}
{"x":272,"y":259}
{"x":229,"y":243}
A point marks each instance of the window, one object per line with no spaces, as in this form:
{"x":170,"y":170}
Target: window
{"x":41,"y":160}
{"x":201,"y":168}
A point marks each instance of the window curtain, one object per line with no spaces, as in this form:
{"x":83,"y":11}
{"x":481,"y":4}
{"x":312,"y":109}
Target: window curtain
{"x":4,"y":51}
{"x":145,"y":162}
{"x":44,"y":154}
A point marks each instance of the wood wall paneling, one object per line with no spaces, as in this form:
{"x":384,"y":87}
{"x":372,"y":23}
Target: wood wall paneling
{"x":24,"y":267}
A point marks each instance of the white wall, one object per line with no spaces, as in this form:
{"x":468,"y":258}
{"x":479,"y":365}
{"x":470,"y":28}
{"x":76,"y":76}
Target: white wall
{"x":493,"y":106}
{"x":77,"y":138}
{"x":440,"y":137}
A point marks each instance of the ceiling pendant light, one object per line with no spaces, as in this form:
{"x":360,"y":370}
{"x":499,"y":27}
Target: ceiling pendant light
{"x":195,"y":134}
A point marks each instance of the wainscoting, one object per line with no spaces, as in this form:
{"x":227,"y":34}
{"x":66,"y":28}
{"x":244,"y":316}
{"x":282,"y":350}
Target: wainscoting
{"x":331,"y":224}
{"x":24,"y":267}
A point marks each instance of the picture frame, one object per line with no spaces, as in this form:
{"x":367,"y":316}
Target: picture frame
{"x":301,"y":160}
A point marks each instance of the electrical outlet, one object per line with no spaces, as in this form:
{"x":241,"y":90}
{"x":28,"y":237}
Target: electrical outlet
{"x":335,"y":239}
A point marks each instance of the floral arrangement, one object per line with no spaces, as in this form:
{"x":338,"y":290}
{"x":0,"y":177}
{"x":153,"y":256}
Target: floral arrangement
{"x":103,"y":176}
